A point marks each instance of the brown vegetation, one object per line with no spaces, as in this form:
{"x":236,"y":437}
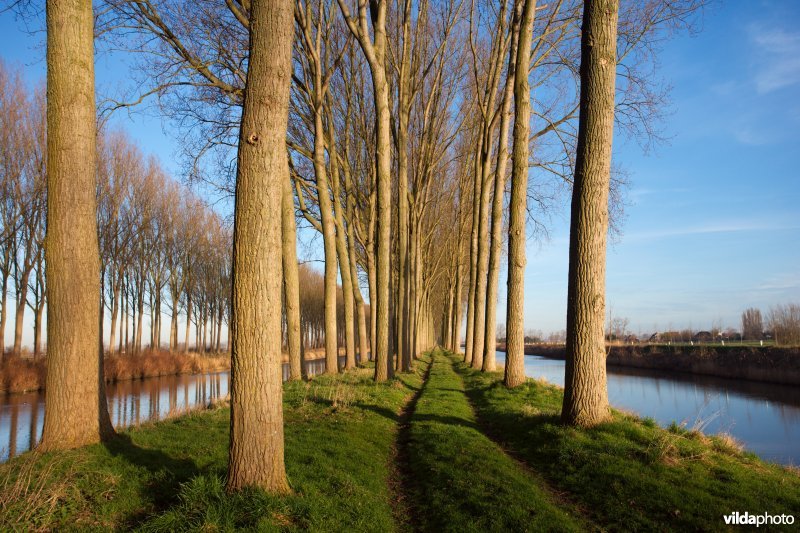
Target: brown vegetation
{"x":20,"y":374}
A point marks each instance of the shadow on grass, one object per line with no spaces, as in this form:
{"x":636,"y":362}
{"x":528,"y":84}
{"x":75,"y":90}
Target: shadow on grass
{"x":167,"y":473}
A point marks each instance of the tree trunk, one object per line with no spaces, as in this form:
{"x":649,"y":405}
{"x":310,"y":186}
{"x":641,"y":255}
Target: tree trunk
{"x":75,"y":403}
{"x":384,"y":222}
{"x":188,"y":320}
{"x":37,"y":330}
{"x":291,"y":280}
{"x":344,"y":263}
{"x":173,"y":327}
{"x":473,"y":255}
{"x":22,"y":296}
{"x":114,"y":314}
{"x":496,"y":245}
{"x":482,"y":264}
{"x":220,"y":314}
{"x":518,"y":207}
{"x":256,"y":445}
{"x":457,"y":317}
{"x":373,"y":295}
{"x":139,"y":321}
{"x":585,"y":389}
{"x":329,"y":246}
{"x":3,"y":316}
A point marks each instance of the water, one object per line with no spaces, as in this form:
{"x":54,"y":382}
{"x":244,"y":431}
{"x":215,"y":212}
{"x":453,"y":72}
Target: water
{"x":130,"y":403}
{"x":765,"y":417}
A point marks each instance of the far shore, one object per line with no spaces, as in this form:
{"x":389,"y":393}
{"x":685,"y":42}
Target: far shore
{"x":26,"y":374}
{"x":769,"y":364}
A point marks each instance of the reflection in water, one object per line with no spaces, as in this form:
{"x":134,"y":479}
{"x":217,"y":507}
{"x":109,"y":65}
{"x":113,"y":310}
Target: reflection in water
{"x":129,"y":403}
{"x":765,"y":417}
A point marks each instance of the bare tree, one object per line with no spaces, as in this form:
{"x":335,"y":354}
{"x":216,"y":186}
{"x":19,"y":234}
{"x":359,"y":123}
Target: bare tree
{"x":515,"y":310}
{"x":256,"y":445}
{"x":752,"y":324}
{"x":75,"y":406}
{"x":585,"y":389}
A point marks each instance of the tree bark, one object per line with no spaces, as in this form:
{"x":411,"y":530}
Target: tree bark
{"x":75,"y":404}
{"x":473,"y":255}
{"x":585,"y":389}
{"x":518,"y":206}
{"x":496,"y":244}
{"x":291,"y":280}
{"x":256,"y":442}
{"x":482,"y":263}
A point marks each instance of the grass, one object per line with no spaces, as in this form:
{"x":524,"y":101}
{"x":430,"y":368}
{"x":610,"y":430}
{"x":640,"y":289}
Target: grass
{"x":629,"y":473}
{"x":444,"y":448}
{"x":169,"y":476}
{"x":462,"y":480}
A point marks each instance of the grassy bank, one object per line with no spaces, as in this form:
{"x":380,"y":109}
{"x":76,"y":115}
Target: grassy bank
{"x":443,"y":448}
{"x":629,"y":473}
{"x":169,"y":476}
{"x":461,"y":480}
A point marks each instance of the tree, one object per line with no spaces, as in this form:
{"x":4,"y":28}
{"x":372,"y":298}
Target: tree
{"x":515,"y":311}
{"x":784,"y":322}
{"x":256,"y":441}
{"x":585,"y":390}
{"x":752,"y":324}
{"x":374,"y":48}
{"x":75,"y":404}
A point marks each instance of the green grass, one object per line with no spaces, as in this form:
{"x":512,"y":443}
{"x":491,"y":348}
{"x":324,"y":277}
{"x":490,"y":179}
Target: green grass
{"x":169,"y":476}
{"x":629,"y":473}
{"x":466,"y":454}
{"x":462,"y":481}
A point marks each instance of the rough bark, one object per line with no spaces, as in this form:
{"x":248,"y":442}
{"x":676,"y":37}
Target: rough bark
{"x":585,"y":389}
{"x":256,"y":441}
{"x":518,"y":207}
{"x":75,"y":404}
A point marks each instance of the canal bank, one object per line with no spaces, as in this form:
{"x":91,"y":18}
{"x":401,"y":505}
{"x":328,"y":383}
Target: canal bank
{"x":767,"y":364}
{"x":763,"y":417}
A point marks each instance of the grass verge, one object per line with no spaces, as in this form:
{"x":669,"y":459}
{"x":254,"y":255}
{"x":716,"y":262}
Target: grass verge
{"x":629,"y":473}
{"x":462,"y":480}
{"x":169,"y":476}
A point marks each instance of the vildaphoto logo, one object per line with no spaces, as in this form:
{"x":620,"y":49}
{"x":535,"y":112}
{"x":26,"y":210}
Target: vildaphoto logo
{"x":764,"y":519}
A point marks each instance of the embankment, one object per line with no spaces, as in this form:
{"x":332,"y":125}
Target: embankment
{"x":21,"y":374}
{"x":768,"y":364}
{"x":24,"y":374}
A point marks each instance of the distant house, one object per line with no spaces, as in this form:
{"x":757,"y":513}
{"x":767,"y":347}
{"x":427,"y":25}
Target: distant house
{"x":631,"y":339}
{"x":703,"y":336}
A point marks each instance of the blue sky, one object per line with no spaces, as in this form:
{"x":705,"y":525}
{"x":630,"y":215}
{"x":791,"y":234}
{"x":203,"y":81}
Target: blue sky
{"x":713,"y":224}
{"x":713,"y":221}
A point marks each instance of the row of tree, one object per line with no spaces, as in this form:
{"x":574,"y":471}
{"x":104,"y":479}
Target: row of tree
{"x":163,"y":251}
{"x":397,"y":117}
{"x":782,"y":324}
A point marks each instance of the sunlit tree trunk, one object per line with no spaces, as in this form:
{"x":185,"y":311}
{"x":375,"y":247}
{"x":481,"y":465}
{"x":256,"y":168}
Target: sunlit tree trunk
{"x":473,"y":256}
{"x":256,"y":442}
{"x":496,"y":244}
{"x":291,"y":280}
{"x":75,"y":404}
{"x":518,"y":206}
{"x":585,"y":389}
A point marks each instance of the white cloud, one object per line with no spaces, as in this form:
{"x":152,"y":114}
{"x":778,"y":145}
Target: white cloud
{"x":778,"y":56}
{"x":707,"y":229}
